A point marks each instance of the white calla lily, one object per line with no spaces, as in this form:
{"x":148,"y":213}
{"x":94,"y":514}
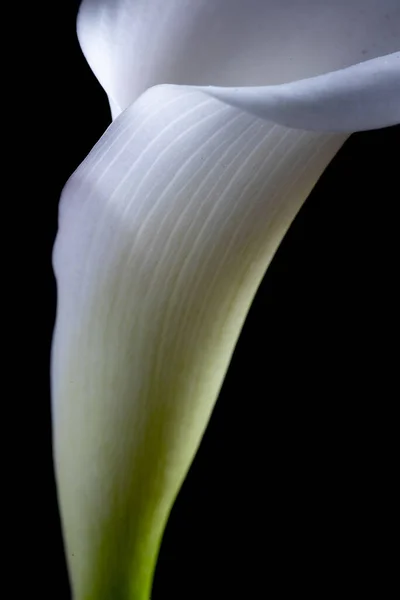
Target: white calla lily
{"x":168,"y":226}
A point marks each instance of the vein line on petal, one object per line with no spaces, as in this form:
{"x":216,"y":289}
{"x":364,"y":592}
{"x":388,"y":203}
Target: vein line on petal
{"x":104,"y":214}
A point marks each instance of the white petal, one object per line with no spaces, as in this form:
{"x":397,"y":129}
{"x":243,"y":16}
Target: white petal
{"x":132,"y":45}
{"x":165,"y":233}
{"x":364,"y":96}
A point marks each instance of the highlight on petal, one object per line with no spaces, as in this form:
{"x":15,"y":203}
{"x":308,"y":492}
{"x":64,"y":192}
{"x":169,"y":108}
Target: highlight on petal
{"x":165,"y":233}
{"x":132,"y":45}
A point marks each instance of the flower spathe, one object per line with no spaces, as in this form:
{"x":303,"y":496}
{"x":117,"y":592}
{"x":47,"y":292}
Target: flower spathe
{"x":167,"y":228}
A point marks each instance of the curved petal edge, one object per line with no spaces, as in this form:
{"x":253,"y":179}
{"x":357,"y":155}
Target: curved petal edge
{"x":361,"y":97}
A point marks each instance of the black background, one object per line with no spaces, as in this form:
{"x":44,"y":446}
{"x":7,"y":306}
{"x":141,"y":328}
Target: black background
{"x":292,"y":490}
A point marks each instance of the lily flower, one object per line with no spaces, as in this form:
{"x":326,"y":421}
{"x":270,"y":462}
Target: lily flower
{"x":225,"y":114}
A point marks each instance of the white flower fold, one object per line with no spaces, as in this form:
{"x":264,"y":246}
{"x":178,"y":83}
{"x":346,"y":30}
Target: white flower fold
{"x":168,"y":226}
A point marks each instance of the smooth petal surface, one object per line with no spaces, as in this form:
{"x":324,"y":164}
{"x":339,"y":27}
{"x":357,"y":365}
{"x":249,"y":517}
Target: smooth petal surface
{"x":132,"y":45}
{"x":364,"y":96}
{"x":166,"y":231}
